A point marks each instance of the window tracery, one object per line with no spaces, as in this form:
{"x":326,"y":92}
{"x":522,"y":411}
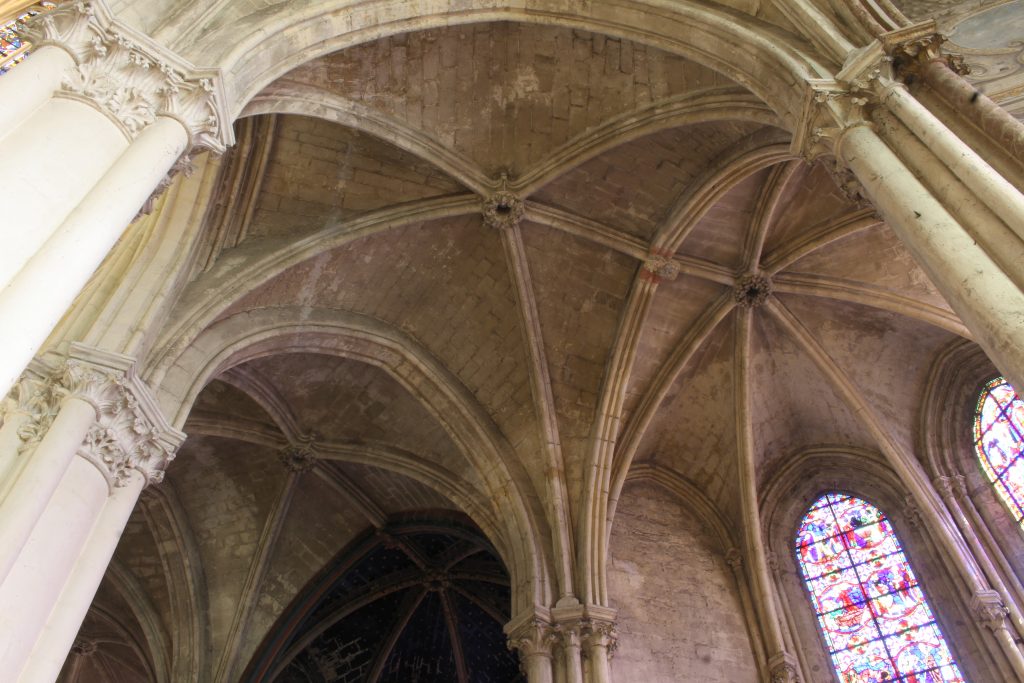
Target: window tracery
{"x":871,"y":609}
{"x":13,"y":48}
{"x":999,"y":442}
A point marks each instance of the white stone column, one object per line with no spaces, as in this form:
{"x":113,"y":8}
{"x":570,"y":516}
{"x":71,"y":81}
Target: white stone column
{"x":599,"y":638}
{"x":24,"y":89}
{"x":30,"y":590}
{"x":60,"y":422}
{"x":36,"y":298}
{"x":982,"y":295}
{"x":97,"y":150}
{"x":533,"y":638}
{"x":66,"y":146}
{"x":58,"y":635}
{"x":568,"y":621}
{"x":123,"y":442}
{"x":995,"y":191}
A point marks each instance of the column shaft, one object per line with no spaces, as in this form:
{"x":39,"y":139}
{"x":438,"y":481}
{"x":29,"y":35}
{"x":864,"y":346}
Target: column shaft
{"x":64,"y":148}
{"x":35,"y":300}
{"x":982,"y":295}
{"x":990,"y":187}
{"x":26,"y":88}
{"x":757,"y":560}
{"x":571,"y":655}
{"x":975,"y":106}
{"x":67,"y":616}
{"x":47,"y":464}
{"x":597,"y":654}
{"x":538,"y":667}
{"x":10,"y":442}
{"x":32,"y":587}
{"x":1002,"y":245}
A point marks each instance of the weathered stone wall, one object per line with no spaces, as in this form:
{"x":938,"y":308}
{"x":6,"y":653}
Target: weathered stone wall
{"x":679,"y":610}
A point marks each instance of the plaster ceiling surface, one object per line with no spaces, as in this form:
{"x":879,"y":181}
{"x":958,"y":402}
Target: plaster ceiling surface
{"x":563,"y":303}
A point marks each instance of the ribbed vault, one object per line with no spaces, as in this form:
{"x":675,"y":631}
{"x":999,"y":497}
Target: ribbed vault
{"x":356,"y":342}
{"x":417,"y":599}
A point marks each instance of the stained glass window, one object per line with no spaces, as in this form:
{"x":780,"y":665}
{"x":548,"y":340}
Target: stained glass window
{"x":999,"y":441}
{"x":874,"y":615}
{"x":12,"y":48}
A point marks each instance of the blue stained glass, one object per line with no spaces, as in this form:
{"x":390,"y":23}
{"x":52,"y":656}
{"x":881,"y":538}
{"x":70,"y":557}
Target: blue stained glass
{"x":874,"y":615}
{"x":999,"y":442}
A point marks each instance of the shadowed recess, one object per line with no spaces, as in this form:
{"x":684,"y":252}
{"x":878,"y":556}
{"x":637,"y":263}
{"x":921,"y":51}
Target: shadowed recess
{"x":415,"y":601}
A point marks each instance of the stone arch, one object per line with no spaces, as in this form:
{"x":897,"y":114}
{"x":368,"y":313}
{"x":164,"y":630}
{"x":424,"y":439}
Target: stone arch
{"x":954,"y":383}
{"x":301,"y":623}
{"x":770,"y":64}
{"x":521,"y":540}
{"x":785,"y":499}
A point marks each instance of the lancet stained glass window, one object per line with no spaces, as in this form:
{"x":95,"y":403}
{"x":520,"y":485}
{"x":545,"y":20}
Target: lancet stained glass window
{"x":874,"y":615}
{"x":12,"y":47}
{"x":999,"y":441}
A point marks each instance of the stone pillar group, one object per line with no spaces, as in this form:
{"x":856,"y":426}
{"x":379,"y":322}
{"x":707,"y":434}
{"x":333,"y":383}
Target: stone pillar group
{"x":89,"y":439}
{"x":101,"y":116}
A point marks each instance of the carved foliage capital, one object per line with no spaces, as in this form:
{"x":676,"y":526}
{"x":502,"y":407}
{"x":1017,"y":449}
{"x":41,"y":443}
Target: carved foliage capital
{"x":35,"y":396}
{"x":911,"y":51}
{"x":951,"y":487}
{"x":782,"y":669}
{"x":734,"y":558}
{"x":128,"y":76}
{"x":534,"y":637}
{"x":129,"y":433}
{"x":912,"y":512}
{"x":989,"y":610}
{"x":599,"y":633}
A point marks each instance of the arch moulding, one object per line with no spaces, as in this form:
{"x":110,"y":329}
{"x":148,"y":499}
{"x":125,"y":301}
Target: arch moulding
{"x":523,"y":541}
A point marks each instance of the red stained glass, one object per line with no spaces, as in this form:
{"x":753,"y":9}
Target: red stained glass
{"x":874,"y":615}
{"x":999,"y":442}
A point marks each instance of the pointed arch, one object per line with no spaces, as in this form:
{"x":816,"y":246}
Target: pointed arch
{"x":871,"y":609}
{"x":999,"y":442}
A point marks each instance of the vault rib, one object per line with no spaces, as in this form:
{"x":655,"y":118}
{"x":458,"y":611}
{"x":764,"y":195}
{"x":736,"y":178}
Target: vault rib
{"x":544,"y":404}
{"x":260,"y":389}
{"x":218,"y":288}
{"x":764,"y":214}
{"x":453,"y":633}
{"x":869,"y":295}
{"x":701,"y":106}
{"x":593,"y":537}
{"x":290,"y":97}
{"x":821,"y":235}
{"x":749,"y":155}
{"x":648,"y":406}
{"x":359,"y":499}
{"x":408,"y":608}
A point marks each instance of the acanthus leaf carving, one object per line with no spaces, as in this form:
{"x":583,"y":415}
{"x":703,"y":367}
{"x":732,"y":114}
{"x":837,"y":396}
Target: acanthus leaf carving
{"x":130,"y":78}
{"x":129,"y":433}
{"x":989,"y":610}
{"x":534,"y":637}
